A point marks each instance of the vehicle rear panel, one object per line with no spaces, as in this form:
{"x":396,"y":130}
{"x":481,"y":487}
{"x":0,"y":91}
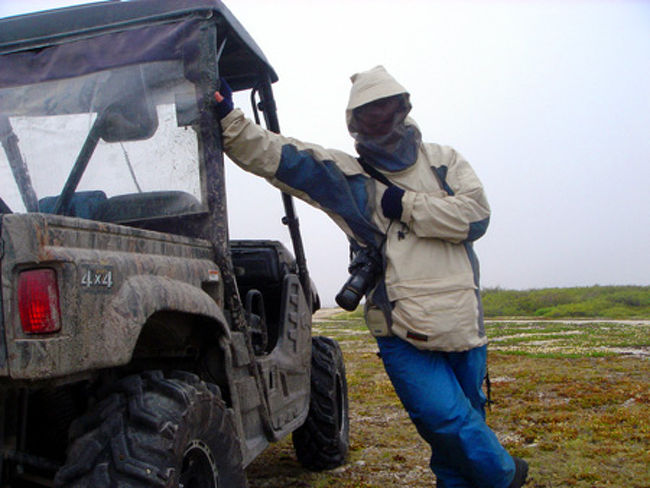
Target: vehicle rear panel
{"x":108,"y":276}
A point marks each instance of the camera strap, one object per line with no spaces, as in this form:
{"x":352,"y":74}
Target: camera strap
{"x":439,"y":172}
{"x":374,"y":172}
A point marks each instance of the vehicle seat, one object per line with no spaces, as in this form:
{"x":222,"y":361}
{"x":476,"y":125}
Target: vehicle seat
{"x":259,"y":269}
{"x":83,"y":204}
{"x":147,"y":205}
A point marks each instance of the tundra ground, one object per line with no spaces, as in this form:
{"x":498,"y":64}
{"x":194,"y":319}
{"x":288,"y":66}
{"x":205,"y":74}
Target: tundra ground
{"x":573,"y":398}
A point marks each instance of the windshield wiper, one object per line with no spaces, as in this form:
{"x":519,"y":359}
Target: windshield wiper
{"x":18,"y":167}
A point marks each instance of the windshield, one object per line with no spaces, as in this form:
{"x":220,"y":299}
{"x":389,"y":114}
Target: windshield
{"x":118,"y":135}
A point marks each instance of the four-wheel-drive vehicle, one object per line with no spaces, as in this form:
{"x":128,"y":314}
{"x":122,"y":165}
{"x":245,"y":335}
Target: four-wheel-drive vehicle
{"x":139,"y":346}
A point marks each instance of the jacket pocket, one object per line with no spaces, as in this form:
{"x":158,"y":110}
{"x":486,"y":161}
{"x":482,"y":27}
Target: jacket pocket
{"x":445,"y":321}
{"x":376,"y":321}
{"x":432,"y":287}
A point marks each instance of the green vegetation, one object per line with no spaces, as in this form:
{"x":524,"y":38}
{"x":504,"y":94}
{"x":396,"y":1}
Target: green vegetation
{"x":568,"y":340}
{"x":573,"y":399}
{"x":614,"y":302}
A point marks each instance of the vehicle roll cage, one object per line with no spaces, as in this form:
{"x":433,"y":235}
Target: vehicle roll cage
{"x":240,"y":61}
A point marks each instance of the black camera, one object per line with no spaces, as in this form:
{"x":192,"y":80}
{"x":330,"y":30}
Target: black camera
{"x":364,"y":271}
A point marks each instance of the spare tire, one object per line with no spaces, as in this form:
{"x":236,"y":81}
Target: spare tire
{"x":322,"y":442}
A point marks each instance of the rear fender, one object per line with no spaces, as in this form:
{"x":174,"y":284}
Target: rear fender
{"x":142,"y":296}
{"x":110,"y":340}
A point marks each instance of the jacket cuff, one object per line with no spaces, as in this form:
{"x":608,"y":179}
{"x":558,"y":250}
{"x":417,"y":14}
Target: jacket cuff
{"x":408,"y":201}
{"x":231,"y":117}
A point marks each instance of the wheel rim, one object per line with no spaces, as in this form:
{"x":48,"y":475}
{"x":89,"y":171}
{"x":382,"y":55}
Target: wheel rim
{"x":199,"y":467}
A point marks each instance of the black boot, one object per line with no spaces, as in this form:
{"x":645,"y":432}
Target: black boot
{"x":521,"y":473}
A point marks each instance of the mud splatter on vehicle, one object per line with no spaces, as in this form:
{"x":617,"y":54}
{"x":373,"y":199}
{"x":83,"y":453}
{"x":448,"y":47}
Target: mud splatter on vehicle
{"x":139,"y":345}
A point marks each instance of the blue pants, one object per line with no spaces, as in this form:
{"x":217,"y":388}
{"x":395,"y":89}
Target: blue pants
{"x":442,"y":393}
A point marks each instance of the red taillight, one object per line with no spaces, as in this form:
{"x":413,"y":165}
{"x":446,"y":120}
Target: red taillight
{"x":38,"y":301}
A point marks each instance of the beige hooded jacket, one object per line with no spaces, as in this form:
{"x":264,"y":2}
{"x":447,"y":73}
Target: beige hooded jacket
{"x":430,"y":287}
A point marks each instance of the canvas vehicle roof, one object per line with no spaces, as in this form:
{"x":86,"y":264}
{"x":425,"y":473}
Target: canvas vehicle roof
{"x":241,"y":62}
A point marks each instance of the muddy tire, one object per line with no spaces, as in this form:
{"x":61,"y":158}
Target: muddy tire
{"x":155,"y":431}
{"x":322,"y":442}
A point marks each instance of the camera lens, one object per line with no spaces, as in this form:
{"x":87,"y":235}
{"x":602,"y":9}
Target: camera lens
{"x":348,"y":299}
{"x":356,"y":286}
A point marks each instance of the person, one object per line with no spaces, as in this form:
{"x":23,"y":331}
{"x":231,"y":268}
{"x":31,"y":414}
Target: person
{"x":421,"y":205}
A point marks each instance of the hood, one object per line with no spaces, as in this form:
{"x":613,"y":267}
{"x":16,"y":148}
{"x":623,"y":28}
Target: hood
{"x":392,"y":153}
{"x":371,"y":85}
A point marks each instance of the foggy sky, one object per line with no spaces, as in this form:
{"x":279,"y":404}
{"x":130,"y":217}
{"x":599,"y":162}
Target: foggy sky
{"x":548,"y":100}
